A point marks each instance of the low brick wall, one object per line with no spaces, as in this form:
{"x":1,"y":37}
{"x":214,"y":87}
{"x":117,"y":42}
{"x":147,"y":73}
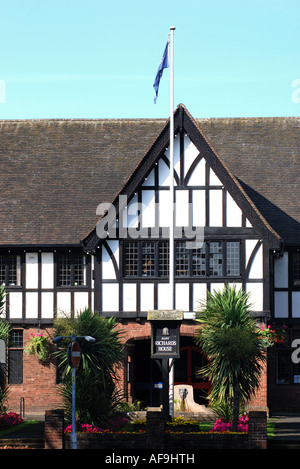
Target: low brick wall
{"x":156,"y":437}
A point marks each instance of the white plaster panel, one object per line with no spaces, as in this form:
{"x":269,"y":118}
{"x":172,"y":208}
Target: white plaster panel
{"x":47,"y":270}
{"x":182,"y":296}
{"x":110,"y":297}
{"x":163,"y":173}
{"x":147,"y":296}
{"x":164,"y":296}
{"x":81,"y":301}
{"x":215,"y":207}
{"x":108,"y":270}
{"x":255,"y":291}
{"x":148,"y":201}
{"x":182,"y":208}
{"x":256,"y":269}
{"x":15,"y":305}
{"x":199,"y":295}
{"x":31,"y":270}
{"x":190,"y":153}
{"x":47,"y":305}
{"x":164,"y":216}
{"x":216,"y":287}
{"x":150,"y":179}
{"x":31,"y":305}
{"x":281,"y":304}
{"x":233,"y":212}
{"x":132,"y":213}
{"x":199,"y":208}
{"x":63,"y":303}
{"x":281,"y":271}
{"x":129,"y":297}
{"x":197,"y":177}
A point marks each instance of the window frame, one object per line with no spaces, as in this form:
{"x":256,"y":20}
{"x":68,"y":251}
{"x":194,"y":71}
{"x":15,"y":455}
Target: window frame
{"x":15,"y":350}
{"x":72,"y":256}
{"x":6,"y":264}
{"x":184,"y":259}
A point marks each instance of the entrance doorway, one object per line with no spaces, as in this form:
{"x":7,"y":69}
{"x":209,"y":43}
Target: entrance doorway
{"x":146,"y":376}
{"x":187,"y":371}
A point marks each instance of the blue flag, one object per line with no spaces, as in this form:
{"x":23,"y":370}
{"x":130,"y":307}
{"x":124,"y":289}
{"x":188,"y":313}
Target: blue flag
{"x":164,"y":63}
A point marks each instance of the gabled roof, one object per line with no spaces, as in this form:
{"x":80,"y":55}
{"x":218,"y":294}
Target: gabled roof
{"x":54,"y":173}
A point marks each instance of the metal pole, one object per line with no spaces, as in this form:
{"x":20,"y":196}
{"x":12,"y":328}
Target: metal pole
{"x":74,"y":434}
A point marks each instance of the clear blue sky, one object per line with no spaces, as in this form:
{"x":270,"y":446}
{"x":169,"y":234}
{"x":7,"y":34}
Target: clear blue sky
{"x":98,"y":58}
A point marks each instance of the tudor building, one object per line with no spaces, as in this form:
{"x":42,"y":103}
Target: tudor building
{"x":236,"y":179}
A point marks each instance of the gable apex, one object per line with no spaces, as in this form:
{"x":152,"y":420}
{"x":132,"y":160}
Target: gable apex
{"x":184,"y":122}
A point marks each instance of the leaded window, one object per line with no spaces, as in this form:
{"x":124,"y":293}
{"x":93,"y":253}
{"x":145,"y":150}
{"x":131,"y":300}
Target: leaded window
{"x":10,"y":270}
{"x":72,"y":270}
{"x":212,"y":259}
{"x":15,"y":357}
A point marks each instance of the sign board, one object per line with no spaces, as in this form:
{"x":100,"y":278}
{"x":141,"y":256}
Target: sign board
{"x":165,"y":335}
{"x":165,"y":339}
{"x":74,"y":354}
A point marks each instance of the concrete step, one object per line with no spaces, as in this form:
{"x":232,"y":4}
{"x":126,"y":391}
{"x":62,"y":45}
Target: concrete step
{"x":283,"y":444}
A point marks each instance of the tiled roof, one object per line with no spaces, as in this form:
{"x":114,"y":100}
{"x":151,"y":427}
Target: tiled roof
{"x":54,"y":173}
{"x":264,"y":155}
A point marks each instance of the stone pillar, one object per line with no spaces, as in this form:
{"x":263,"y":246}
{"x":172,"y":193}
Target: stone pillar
{"x":54,"y":429}
{"x":257,"y":434}
{"x":155,"y":428}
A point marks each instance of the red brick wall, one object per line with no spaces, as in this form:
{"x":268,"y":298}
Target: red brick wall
{"x":40,"y":391}
{"x":39,"y":388}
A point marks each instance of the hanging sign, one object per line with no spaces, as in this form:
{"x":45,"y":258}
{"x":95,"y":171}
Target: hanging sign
{"x":165,"y":338}
{"x":74,"y":354}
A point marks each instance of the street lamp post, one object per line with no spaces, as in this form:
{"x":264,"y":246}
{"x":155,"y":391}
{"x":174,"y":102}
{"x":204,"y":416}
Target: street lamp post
{"x":74,"y":355}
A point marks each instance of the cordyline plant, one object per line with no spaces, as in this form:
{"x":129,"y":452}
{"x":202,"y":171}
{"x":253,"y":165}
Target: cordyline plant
{"x":232,"y":343}
{"x":96,"y":393}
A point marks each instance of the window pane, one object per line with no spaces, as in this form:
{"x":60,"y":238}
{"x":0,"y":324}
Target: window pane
{"x":216,"y":259}
{"x":296,"y":268}
{"x":79,"y":270}
{"x":65,"y":271}
{"x":163,"y":259}
{"x":182,"y":259}
{"x":14,"y":270}
{"x":15,"y":357}
{"x":2,"y":270}
{"x":148,"y":259}
{"x":16,"y":338}
{"x":131,"y":259}
{"x":233,"y":258}
{"x":199,"y":261}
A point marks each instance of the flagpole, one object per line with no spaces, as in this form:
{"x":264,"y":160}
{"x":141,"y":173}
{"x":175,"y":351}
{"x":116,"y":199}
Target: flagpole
{"x":171,"y":241}
{"x":171,"y":254}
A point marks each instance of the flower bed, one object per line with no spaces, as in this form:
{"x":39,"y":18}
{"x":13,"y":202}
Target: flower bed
{"x":9,"y":419}
{"x":222,"y":427}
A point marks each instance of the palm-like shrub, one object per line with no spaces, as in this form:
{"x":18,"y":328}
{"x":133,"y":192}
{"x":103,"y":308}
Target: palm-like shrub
{"x":231,"y":340}
{"x":96,"y":392}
